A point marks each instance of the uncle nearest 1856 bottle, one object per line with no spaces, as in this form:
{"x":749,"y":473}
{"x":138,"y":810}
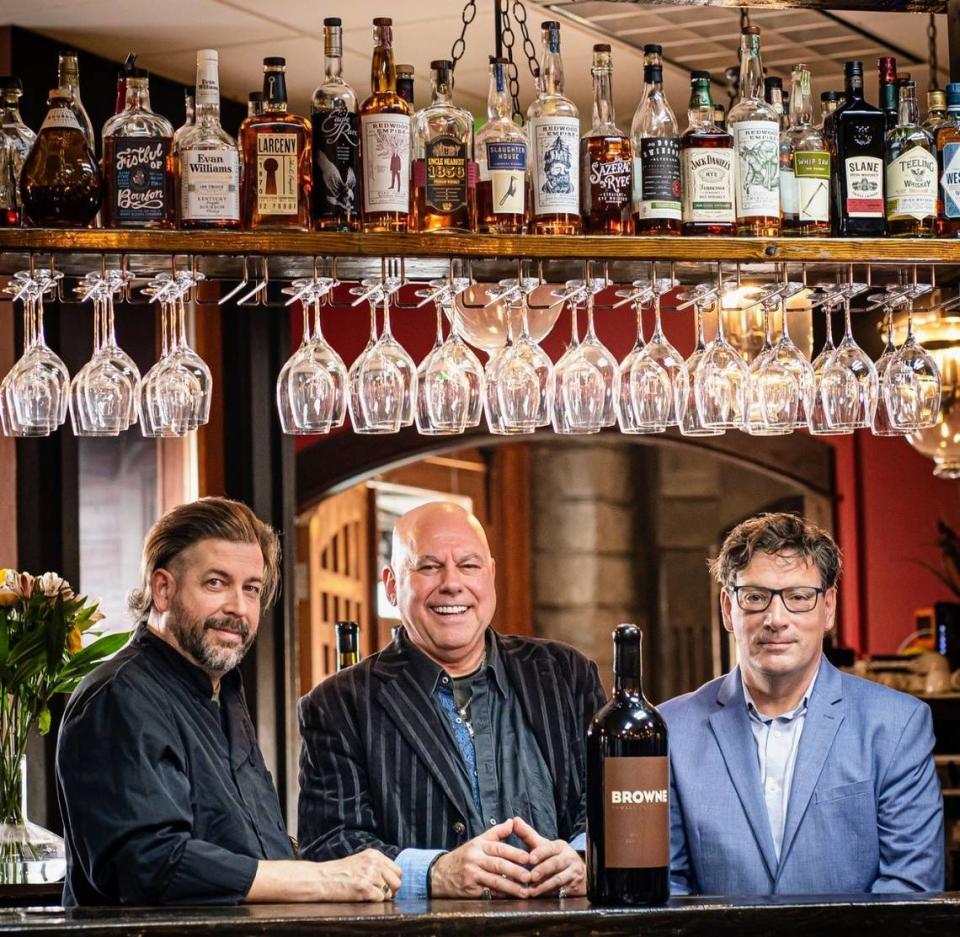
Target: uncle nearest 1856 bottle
{"x":628,"y":783}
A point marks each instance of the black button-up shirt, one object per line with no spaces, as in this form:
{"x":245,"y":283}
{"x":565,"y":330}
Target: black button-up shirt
{"x":164,"y":793}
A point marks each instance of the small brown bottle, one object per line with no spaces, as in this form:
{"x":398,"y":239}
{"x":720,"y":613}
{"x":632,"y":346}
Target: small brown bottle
{"x":60,"y":182}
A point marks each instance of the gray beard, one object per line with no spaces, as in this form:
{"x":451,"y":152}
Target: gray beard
{"x":194,"y":636}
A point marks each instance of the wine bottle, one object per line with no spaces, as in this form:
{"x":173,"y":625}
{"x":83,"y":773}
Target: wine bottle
{"x":628,"y":809}
{"x":348,"y":644}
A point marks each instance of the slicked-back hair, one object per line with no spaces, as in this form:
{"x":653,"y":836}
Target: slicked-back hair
{"x":783,"y":534}
{"x":205,"y":519}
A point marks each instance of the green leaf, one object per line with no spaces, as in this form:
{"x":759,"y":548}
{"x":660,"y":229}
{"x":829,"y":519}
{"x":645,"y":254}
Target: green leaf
{"x":43,"y":721}
{"x":56,"y":637}
{"x":4,"y":636}
{"x":84,"y":661}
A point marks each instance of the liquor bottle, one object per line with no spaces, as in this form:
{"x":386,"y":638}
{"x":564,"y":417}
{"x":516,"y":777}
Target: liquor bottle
{"x":405,"y":75}
{"x":706,"y":166}
{"x":936,"y":112}
{"x":501,"y":150}
{"x":829,"y":102}
{"x":254,"y":104}
{"x":755,"y":126}
{"x":16,"y":138}
{"x":348,"y":644}
{"x":948,"y":164}
{"x":336,"y":141}
{"x":656,"y":154}
{"x":385,"y":140}
{"x":121,"y":100}
{"x":773,"y":95}
{"x":276,"y":180}
{"x":856,"y":132}
{"x":9,"y":185}
{"x":887,"y":86}
{"x":190,"y":115}
{"x":911,"y":173}
{"x":68,"y":76}
{"x":60,"y":181}
{"x":138,"y":176}
{"x":444,"y":176}
{"x":628,"y":809}
{"x":208,"y":161}
{"x":553,"y":146}
{"x":720,"y":116}
{"x":804,"y":166}
{"x":605,"y":158}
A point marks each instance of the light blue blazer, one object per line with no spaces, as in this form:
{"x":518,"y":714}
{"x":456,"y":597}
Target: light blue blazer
{"x":865,"y":812}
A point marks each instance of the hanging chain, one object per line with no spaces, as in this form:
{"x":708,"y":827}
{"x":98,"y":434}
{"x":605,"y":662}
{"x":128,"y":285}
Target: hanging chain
{"x":460,"y":44}
{"x":932,"y":52}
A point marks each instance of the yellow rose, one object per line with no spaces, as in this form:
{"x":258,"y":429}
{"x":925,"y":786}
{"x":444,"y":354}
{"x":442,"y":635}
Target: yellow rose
{"x":74,"y":640}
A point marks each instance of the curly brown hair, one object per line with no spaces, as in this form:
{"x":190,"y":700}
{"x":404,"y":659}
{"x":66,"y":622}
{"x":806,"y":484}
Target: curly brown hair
{"x":205,"y":519}
{"x":779,"y":533}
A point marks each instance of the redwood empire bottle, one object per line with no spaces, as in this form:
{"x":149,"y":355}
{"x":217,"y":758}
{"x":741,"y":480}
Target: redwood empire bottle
{"x":628,"y":784}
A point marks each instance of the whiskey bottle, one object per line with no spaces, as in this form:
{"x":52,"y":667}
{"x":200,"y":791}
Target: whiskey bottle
{"x":936,"y":112}
{"x":348,"y":644}
{"x":755,"y":126}
{"x":190,"y":115}
{"x":60,"y":181}
{"x":444,"y":177}
{"x":553,"y":145}
{"x":405,"y":76}
{"x":706,"y":166}
{"x":501,"y":149}
{"x":911,"y":173}
{"x":208,"y":161}
{"x":773,"y":95}
{"x":68,"y":76}
{"x":720,"y":116}
{"x":385,"y":140}
{"x":656,"y":154}
{"x":605,"y":158}
{"x":856,"y":134}
{"x":16,"y":139}
{"x":948,"y":164}
{"x":121,"y":99}
{"x":276,"y":181}
{"x":804,"y":166}
{"x":829,"y":102}
{"x":336,"y":141}
{"x":138,"y":174}
{"x":887,"y":88}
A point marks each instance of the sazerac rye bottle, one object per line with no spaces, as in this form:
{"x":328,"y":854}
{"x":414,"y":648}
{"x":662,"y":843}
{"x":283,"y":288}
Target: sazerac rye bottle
{"x":208,"y":161}
{"x":444,"y":176}
{"x":657,"y":207}
{"x":605,"y":158}
{"x":755,"y":126}
{"x":385,"y":140}
{"x":275,"y":191}
{"x":628,"y":789}
{"x":553,"y":146}
{"x":138,"y":174}
{"x":336,"y":141}
{"x":501,"y":152}
{"x":706,"y":166}
{"x":911,"y":174}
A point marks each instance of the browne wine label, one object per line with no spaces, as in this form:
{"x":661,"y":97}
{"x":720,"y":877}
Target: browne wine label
{"x":336,"y":148}
{"x":636,"y":812}
{"x":555,"y":152}
{"x":864,"y":186}
{"x":140,"y":178}
{"x":386,"y":162}
{"x":912,"y":185}
{"x":505,"y":167}
{"x":277,"y":164}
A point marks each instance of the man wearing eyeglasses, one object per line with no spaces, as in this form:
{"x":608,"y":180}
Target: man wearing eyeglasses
{"x":788,"y":776}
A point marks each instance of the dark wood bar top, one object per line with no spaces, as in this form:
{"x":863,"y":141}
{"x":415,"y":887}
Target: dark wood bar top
{"x":878,"y":916}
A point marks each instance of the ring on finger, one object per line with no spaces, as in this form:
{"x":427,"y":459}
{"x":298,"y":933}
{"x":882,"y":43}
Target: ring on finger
{"x":562,"y":892}
{"x":486,"y":894}
{"x":385,"y":888}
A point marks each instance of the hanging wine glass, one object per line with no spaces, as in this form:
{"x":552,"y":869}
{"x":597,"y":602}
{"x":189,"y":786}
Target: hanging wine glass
{"x":848,"y":384}
{"x":688,"y":415}
{"x":912,"y":386}
{"x":392,"y":349}
{"x":794,"y":361}
{"x":183,"y":354}
{"x":443,"y":390}
{"x":882,"y":422}
{"x":513,"y":390}
{"x":579,"y":388}
{"x":376,"y":387}
{"x":660,"y":350}
{"x":644,"y":387}
{"x":817,"y":422}
{"x":773,"y":392}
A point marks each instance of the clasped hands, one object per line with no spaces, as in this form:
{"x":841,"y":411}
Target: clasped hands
{"x":488,"y":864}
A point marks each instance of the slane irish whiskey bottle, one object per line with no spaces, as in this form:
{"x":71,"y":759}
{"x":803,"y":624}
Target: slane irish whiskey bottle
{"x":706,"y":166}
{"x":911,"y":173}
{"x":385,"y":140}
{"x":605,"y":158}
{"x":628,"y":789}
{"x":276,"y":159}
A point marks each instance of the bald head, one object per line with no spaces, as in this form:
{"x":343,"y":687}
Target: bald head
{"x":441,"y":578}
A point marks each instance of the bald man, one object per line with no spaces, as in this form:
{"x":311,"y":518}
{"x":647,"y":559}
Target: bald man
{"x":457,"y":751}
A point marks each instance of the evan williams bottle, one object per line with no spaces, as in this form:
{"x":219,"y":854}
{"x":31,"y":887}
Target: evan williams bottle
{"x":628,"y":789}
{"x":276,"y":159}
{"x":385,"y":140}
{"x":605,"y":158}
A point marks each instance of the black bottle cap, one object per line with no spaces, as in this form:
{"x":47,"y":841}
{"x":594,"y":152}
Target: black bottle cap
{"x":347,"y":635}
{"x":602,"y":47}
{"x":137,"y":72}
{"x":499,"y":61}
{"x":830,"y":96}
{"x":652,"y":47}
{"x":750,"y":31}
{"x":852,"y":68}
{"x":626,"y":651}
{"x":700,"y":75}
{"x":11,"y":83}
{"x":255,"y":96}
{"x":441,"y":65}
{"x":332,"y":21}
{"x":382,"y":21}
{"x":773,"y":82}
{"x":274,"y":61}
{"x":549,"y":24}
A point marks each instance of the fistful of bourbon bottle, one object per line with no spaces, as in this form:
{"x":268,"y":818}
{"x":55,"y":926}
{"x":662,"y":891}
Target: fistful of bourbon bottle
{"x":385,"y":140}
{"x":628,"y":789}
{"x":348,"y":644}
{"x":605,"y":158}
{"x":277,"y":157}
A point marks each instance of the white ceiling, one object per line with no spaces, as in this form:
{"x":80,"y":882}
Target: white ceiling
{"x":167,"y":35}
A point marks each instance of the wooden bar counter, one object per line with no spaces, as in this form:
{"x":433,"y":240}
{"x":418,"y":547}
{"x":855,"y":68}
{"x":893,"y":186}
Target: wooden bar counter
{"x":878,"y":916}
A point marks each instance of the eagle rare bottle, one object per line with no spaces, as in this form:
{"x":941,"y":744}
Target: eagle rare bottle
{"x":628,"y":784}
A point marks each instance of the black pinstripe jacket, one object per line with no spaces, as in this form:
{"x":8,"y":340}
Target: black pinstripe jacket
{"x":376,"y":762}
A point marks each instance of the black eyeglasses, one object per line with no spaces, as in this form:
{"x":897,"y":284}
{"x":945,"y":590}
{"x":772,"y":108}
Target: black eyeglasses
{"x":794,"y":598}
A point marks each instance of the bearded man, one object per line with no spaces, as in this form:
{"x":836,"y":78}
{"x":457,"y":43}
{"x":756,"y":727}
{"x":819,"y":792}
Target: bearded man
{"x":164,"y":793}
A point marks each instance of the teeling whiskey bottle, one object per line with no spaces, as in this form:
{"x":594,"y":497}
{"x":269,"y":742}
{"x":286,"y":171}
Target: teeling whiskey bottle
{"x":348,"y":644}
{"x":628,"y":809}
{"x":911,"y":177}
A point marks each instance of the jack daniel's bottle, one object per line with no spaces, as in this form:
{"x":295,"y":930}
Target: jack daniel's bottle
{"x":628,"y":784}
{"x":336,"y":142}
